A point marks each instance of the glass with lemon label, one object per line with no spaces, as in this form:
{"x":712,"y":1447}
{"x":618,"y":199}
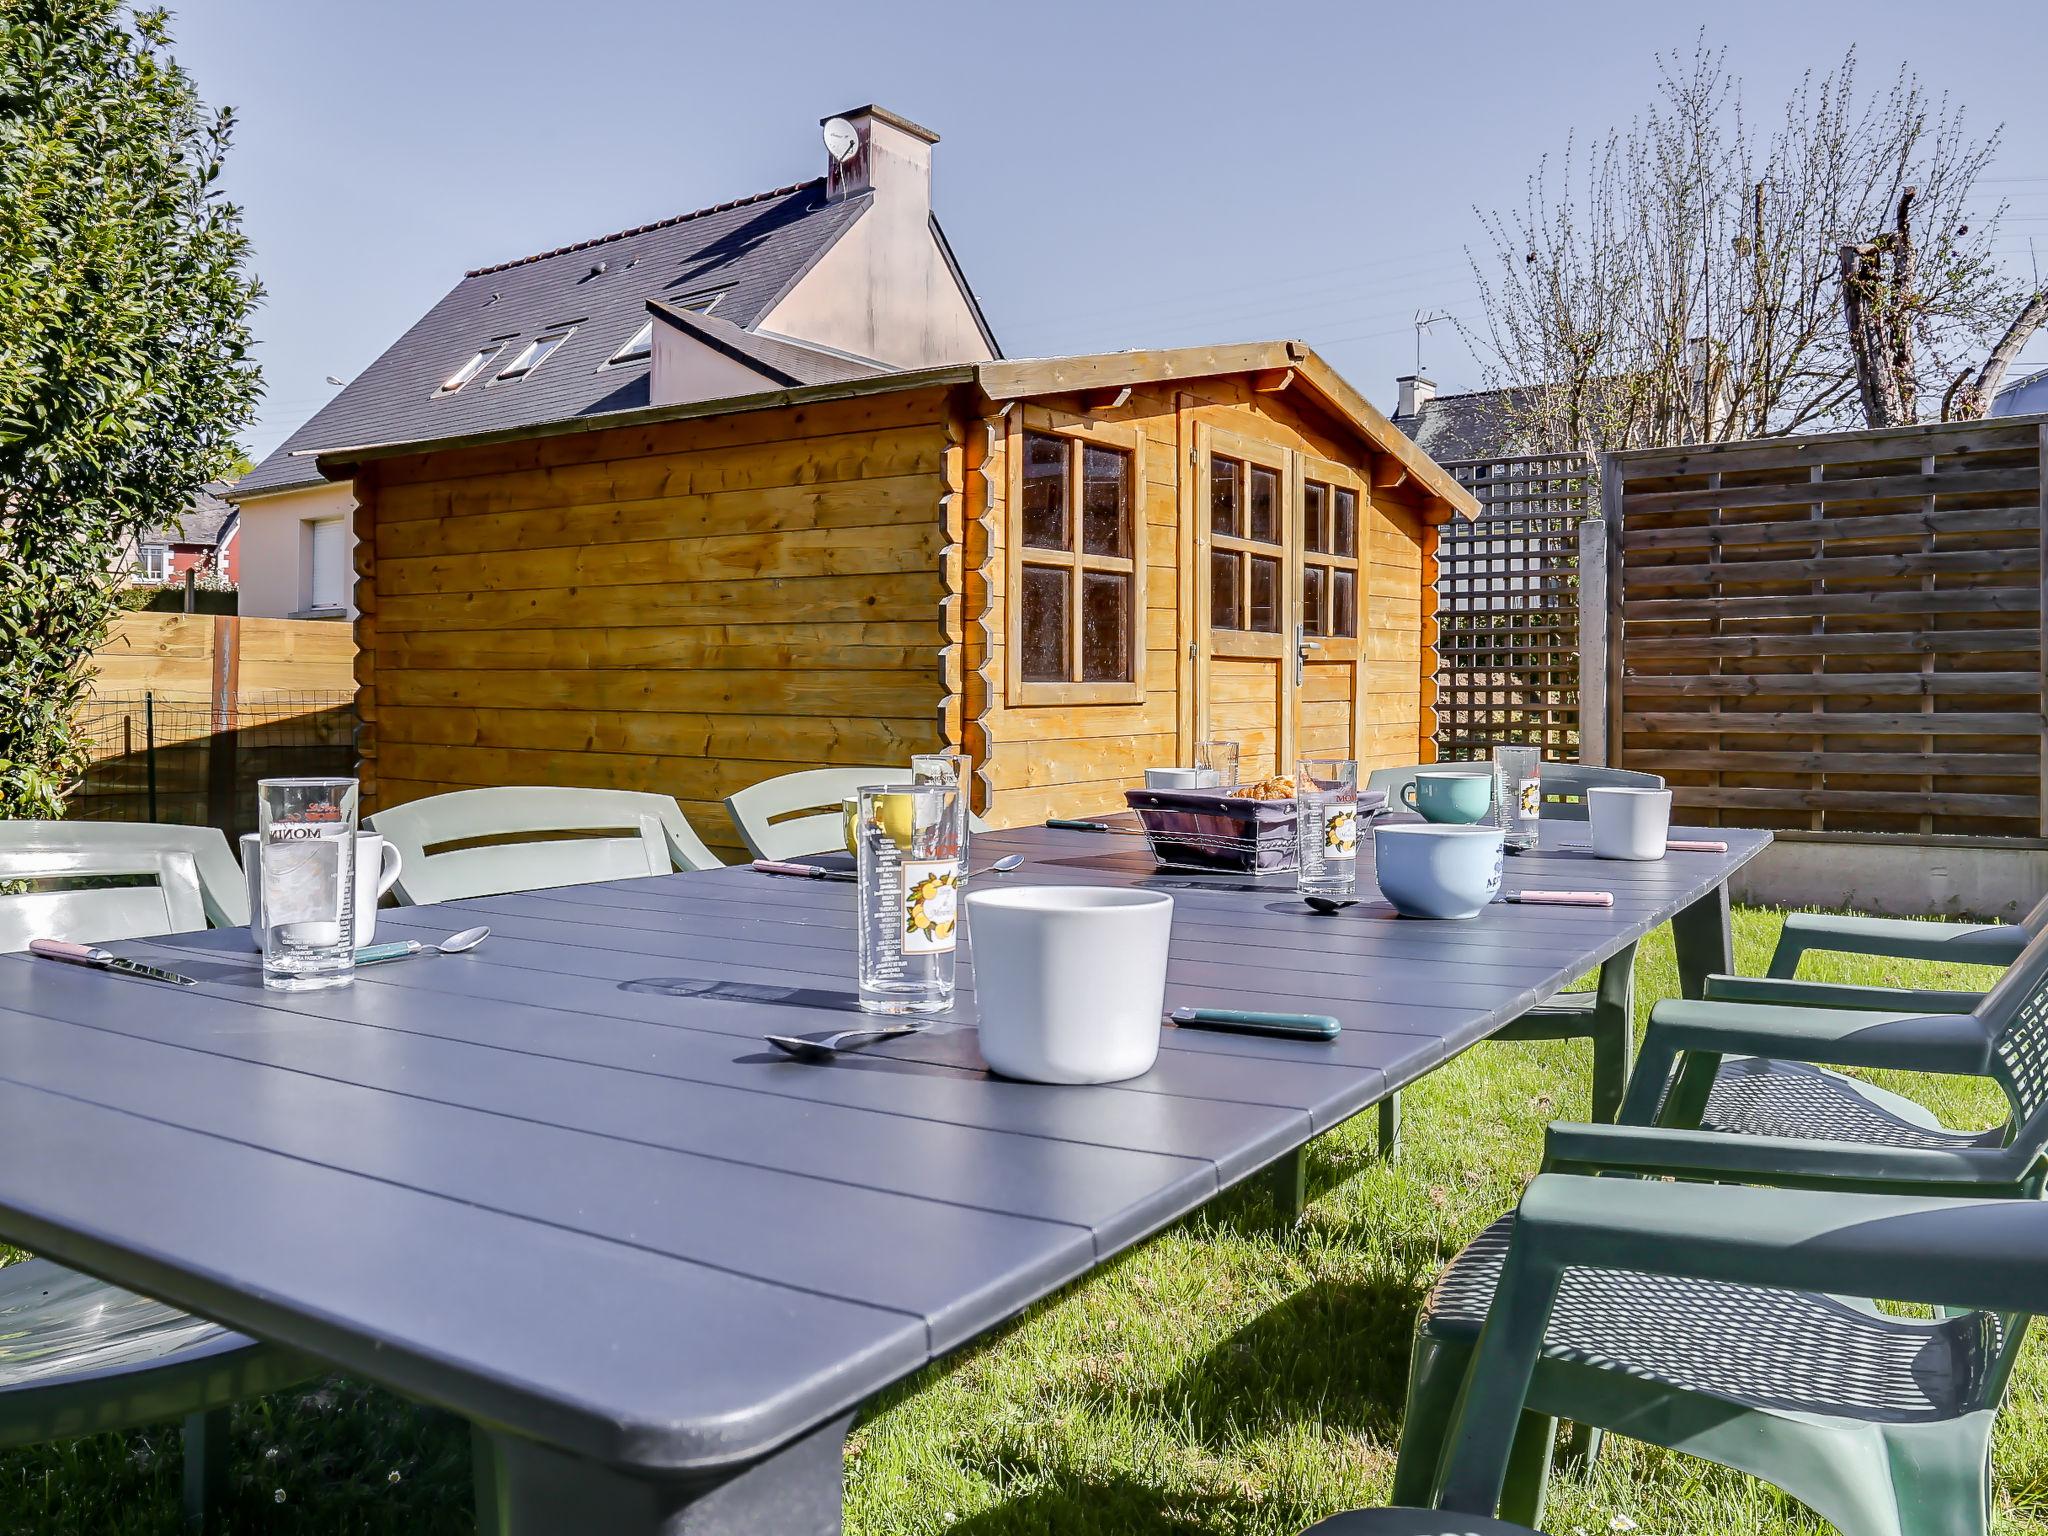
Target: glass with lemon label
{"x":907,"y":842}
{"x":1326,"y":803}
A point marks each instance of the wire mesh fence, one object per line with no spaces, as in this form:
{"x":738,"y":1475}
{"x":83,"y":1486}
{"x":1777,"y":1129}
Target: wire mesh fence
{"x":1508,"y":608}
{"x":184,"y":759}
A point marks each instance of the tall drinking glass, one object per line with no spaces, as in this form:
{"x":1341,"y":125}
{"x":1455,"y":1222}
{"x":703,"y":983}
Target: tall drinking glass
{"x":907,"y":844}
{"x":948,"y":768}
{"x":1518,"y":794}
{"x":1326,"y":804}
{"x":1219,"y":758}
{"x":307,"y":842}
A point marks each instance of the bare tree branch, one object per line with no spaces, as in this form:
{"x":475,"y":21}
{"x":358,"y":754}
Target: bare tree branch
{"x":1971,"y":403}
{"x":1685,"y":278}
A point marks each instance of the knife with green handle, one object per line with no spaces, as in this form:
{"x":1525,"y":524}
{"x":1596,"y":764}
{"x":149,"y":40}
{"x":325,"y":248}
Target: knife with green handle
{"x":1290,"y":1026}
{"x":102,"y":960}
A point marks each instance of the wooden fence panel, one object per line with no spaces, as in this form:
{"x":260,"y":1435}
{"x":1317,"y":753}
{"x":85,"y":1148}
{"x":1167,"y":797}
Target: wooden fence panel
{"x":188,"y":711}
{"x":1508,"y":608}
{"x":1835,"y":633}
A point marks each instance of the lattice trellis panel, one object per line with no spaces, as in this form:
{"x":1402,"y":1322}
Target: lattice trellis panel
{"x":1508,"y":607}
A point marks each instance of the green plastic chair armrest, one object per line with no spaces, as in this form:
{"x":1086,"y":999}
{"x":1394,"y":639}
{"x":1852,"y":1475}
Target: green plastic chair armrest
{"x":1836,"y":1037}
{"x":1778,"y":1160}
{"x":1984,"y":1254}
{"x":1829,"y":994}
{"x":1988,"y":1254}
{"x":1903,"y":938}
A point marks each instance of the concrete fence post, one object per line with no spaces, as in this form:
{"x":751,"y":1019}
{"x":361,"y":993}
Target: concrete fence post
{"x":1593,"y":641}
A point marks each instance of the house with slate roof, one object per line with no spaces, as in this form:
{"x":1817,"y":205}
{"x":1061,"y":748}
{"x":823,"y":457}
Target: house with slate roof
{"x":203,"y":537}
{"x":824,"y":281}
{"x":1451,"y":428}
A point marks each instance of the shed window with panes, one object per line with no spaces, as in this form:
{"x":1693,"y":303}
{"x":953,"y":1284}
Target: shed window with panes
{"x":1329,"y":559}
{"x":1076,"y":563}
{"x":1246,"y":553}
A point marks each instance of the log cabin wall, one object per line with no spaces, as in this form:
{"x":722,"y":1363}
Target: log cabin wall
{"x":687,"y":607}
{"x":1076,"y":758}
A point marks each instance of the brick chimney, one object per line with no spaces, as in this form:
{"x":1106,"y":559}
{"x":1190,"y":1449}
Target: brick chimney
{"x":1416,"y":392}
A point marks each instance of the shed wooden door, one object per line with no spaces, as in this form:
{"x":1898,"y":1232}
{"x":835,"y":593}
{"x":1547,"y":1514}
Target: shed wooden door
{"x":1330,"y":578}
{"x":1245,"y":592}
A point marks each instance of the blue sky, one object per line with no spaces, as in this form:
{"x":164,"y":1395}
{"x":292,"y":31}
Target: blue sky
{"x":1110,"y":174}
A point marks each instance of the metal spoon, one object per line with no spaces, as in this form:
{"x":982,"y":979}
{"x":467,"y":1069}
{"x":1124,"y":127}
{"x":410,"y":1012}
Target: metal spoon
{"x":454,"y":944}
{"x":1328,"y":904}
{"x":1002,"y":866}
{"x":832,"y":1045}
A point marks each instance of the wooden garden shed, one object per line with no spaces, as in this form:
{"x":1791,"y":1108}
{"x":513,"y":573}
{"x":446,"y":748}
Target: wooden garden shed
{"x":1069,"y":569}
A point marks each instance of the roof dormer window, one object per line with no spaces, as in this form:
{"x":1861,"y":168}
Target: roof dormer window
{"x":470,"y":369}
{"x":638,"y":347}
{"x":531,"y":356}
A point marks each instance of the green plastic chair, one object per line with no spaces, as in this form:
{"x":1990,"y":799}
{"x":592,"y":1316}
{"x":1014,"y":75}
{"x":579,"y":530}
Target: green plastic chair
{"x":1735,"y":1324}
{"x":70,"y":851}
{"x":798,"y":815}
{"x":1903,"y":938}
{"x":80,"y":1356}
{"x":1413,"y":1522}
{"x":1606,"y":1015}
{"x":1757,"y":1075}
{"x":649,"y":836}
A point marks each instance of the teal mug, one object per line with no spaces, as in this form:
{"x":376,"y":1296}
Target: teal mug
{"x":1453,"y":797}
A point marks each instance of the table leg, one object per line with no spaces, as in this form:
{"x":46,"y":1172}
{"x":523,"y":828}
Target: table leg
{"x":797,"y":1491}
{"x":1704,"y":941}
{"x":1287,"y":1183}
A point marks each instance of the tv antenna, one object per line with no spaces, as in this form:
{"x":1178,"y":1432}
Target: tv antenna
{"x":1424,"y":319}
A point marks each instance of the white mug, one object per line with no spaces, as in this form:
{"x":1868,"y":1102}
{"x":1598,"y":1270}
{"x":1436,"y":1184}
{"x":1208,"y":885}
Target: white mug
{"x":377,"y":868}
{"x":1070,"y":980}
{"x":1628,"y":823}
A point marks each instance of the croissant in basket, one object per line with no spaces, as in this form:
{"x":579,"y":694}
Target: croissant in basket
{"x":1278,"y":786}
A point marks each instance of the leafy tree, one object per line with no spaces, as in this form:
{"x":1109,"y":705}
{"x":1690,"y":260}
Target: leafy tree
{"x":1684,"y":282}
{"x":124,"y":345}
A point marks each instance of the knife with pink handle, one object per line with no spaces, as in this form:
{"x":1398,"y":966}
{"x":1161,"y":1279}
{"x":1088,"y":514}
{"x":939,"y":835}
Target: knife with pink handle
{"x":1694,"y":845}
{"x":1560,"y":898}
{"x":102,"y":960}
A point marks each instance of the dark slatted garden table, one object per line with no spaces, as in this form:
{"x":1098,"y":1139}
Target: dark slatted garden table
{"x":560,"y":1187}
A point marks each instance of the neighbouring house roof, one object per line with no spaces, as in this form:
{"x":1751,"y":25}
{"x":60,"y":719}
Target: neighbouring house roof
{"x":1282,"y":364}
{"x":2022,"y":395}
{"x":748,"y":253}
{"x":203,"y":523}
{"x":1469,"y":426}
{"x":780,"y":360}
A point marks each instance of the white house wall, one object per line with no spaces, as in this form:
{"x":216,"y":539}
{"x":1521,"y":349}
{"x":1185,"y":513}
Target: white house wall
{"x":884,"y":290}
{"x":682,"y":369}
{"x":276,"y":578}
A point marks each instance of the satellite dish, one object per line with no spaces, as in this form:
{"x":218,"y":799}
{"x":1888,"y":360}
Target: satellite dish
{"x":842,"y":141}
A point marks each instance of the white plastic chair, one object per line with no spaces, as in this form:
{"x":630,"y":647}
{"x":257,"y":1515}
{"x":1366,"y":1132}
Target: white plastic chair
{"x":648,"y":836}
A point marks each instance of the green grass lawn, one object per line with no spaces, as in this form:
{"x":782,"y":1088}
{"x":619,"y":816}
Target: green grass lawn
{"x":1218,"y":1379}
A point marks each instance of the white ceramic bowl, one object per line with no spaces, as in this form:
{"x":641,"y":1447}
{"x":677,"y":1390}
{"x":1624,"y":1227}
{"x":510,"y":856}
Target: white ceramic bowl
{"x":1182,"y":778}
{"x":1070,"y":980}
{"x":1430,"y":870}
{"x":1628,"y":823}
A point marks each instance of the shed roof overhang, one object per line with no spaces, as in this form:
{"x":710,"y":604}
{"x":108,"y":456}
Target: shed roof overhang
{"x":1281,"y":364}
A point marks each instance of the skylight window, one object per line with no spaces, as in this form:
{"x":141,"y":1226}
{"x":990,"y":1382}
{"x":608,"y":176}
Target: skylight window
{"x":638,"y":346}
{"x":471,"y":369}
{"x":702,"y":303}
{"x":531,"y":356}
